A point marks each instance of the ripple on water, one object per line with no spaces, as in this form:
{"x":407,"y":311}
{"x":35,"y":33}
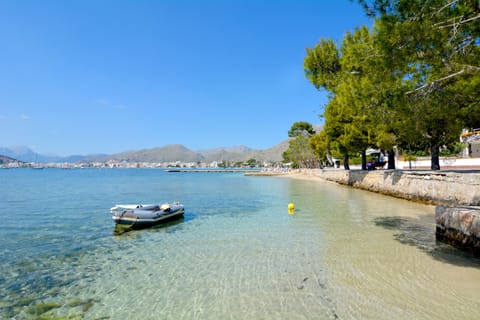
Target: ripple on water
{"x":237,"y":254}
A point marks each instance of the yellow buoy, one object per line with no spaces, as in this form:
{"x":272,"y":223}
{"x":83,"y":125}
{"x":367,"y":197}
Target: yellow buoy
{"x":291,"y":208}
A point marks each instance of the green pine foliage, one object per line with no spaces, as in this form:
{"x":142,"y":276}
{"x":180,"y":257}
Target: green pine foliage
{"x":410,"y":82}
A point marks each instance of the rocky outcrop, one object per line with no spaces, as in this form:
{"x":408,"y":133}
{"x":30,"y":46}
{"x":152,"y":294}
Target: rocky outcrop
{"x":459,"y":226}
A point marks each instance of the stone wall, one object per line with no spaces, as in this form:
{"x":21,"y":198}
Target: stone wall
{"x":456,"y":193}
{"x":447,"y":188}
{"x":459,"y":226}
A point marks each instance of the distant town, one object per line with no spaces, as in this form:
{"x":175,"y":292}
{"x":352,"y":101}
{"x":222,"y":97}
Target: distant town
{"x":170,"y":156}
{"x":9,"y":163}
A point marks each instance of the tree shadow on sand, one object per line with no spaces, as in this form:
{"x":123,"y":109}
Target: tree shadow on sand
{"x":422,"y":236}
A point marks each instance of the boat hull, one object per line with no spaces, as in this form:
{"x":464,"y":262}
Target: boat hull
{"x":140,"y":219}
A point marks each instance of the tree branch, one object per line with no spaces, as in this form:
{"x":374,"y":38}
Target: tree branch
{"x":446,"y":6}
{"x":456,"y":24}
{"x":433,"y":83}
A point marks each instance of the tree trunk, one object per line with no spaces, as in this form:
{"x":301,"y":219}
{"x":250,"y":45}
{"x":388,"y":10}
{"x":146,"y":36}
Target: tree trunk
{"x":364,"y":159}
{"x":391,"y":159}
{"x":435,"y":156}
{"x":345,"y":161}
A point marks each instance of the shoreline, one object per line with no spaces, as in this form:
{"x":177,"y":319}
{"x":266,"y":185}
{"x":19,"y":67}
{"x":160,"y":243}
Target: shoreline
{"x":455,"y":193}
{"x":444,"y":187}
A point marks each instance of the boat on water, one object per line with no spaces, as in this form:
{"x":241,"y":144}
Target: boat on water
{"x":139,"y":216}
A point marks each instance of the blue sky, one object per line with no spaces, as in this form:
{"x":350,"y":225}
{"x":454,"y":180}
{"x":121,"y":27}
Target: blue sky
{"x":83,"y":77}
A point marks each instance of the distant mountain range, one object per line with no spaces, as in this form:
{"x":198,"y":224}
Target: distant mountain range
{"x":6,"y":160}
{"x":169,"y":153}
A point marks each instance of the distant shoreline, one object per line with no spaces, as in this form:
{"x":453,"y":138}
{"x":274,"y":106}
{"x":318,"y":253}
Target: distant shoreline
{"x":246,"y":171}
{"x":448,"y":187}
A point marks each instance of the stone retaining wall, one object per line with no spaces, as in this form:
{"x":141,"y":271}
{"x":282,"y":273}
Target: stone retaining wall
{"x":456,"y":193}
{"x":448,"y":188}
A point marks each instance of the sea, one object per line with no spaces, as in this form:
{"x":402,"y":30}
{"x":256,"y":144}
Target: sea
{"x":236,"y":254}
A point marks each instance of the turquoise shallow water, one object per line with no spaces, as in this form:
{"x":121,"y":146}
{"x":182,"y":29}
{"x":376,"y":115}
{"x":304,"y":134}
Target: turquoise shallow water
{"x":237,"y":254}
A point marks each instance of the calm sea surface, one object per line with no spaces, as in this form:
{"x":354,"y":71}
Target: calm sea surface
{"x":237,"y":254}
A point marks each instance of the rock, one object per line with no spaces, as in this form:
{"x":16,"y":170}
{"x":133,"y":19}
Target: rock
{"x":459,"y":226}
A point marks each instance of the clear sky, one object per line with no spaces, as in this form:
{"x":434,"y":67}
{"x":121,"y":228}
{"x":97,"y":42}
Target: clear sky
{"x":106,"y":76}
